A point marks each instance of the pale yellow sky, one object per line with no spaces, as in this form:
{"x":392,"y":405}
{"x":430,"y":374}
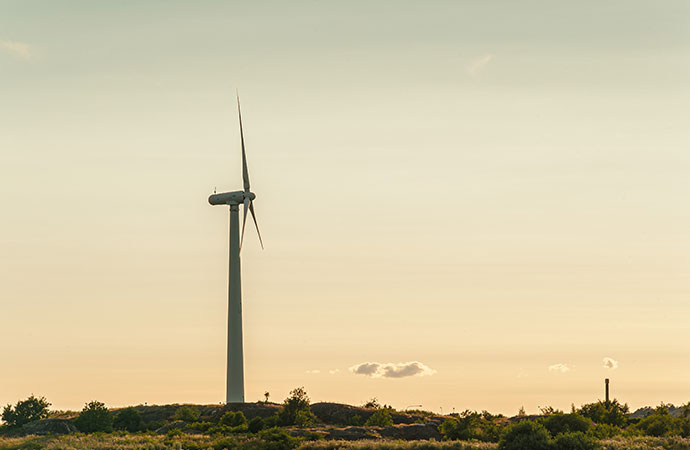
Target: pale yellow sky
{"x":488,"y":188}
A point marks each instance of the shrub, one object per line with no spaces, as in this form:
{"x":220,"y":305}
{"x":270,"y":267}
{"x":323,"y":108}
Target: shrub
{"x":564,"y":423}
{"x":604,"y":431}
{"x":525,"y":435}
{"x":277,"y":439}
{"x":356,"y":420}
{"x":296,"y":402}
{"x":25,"y":411}
{"x":198,"y":426}
{"x":256,"y":425}
{"x":128,"y":419}
{"x":187,"y":414}
{"x":271,"y":421}
{"x":173,"y":432}
{"x":659,"y":423}
{"x":226,"y":429}
{"x":233,"y":419}
{"x":471,"y":425}
{"x":576,"y":441}
{"x":94,"y":417}
{"x":612,"y":413}
{"x":380,"y":418}
{"x":304,"y":419}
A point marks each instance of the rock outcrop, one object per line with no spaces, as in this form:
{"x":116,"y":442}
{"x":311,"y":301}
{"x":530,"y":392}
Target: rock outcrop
{"x":50,"y":426}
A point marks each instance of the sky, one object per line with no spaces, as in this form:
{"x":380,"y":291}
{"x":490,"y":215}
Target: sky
{"x":465,"y":204}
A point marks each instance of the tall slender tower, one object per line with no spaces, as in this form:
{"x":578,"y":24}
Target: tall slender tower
{"x":234,"y":392}
{"x":606,"y":382}
{"x":235,"y":363}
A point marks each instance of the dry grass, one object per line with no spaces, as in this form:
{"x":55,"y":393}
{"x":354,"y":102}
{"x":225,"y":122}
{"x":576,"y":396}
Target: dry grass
{"x":100,"y":441}
{"x":123,"y":441}
{"x":646,"y":443}
{"x":397,"y":445}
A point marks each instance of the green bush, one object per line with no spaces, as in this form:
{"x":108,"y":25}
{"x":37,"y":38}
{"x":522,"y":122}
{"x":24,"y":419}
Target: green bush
{"x":452,"y":429}
{"x":255,"y":425}
{"x":564,"y":423}
{"x":277,"y":439}
{"x":198,"y":426}
{"x":576,"y":441}
{"x":356,"y":420}
{"x":296,"y":402}
{"x":94,"y":417}
{"x":233,"y":419}
{"x":471,"y":425}
{"x":128,"y":419}
{"x":380,"y":418}
{"x":304,"y":419}
{"x":659,"y":423}
{"x":525,"y":435}
{"x":605,"y":431}
{"x":612,"y":413}
{"x":25,"y":411}
{"x":154,"y":424}
{"x":187,"y":414}
{"x":271,"y":421}
{"x":226,"y":429}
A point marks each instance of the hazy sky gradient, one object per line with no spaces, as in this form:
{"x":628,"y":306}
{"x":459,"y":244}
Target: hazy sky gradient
{"x":487,"y":187}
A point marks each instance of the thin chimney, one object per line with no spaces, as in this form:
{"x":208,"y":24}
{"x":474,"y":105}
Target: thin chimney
{"x":607,"y":391}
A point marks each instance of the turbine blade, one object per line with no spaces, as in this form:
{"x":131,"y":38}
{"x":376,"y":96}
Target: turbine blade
{"x":247,"y":203}
{"x":245,"y":171}
{"x":251,"y":208}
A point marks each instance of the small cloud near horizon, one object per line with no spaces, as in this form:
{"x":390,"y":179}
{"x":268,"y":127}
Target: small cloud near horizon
{"x":17,"y":49}
{"x":333,"y":371}
{"x":560,"y":368}
{"x":313,"y":371}
{"x":392,"y":370}
{"x":477,"y":66}
{"x":610,"y":363}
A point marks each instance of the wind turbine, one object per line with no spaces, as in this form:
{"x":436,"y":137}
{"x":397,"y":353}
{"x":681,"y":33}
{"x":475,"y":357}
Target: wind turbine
{"x":235,"y":370}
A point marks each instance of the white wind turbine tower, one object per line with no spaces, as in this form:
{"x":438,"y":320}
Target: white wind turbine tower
{"x":235,"y":372}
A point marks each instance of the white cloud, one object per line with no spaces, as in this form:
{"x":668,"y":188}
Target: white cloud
{"x":562,"y":368}
{"x":392,"y":370}
{"x":610,"y":363}
{"x":18,"y":49}
{"x":522,"y":373}
{"x":313,"y":371}
{"x":333,"y":371}
{"x":476,"y":67}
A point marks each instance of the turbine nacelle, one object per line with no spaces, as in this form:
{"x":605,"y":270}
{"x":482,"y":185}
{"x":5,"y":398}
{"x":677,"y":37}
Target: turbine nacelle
{"x":231,"y":198}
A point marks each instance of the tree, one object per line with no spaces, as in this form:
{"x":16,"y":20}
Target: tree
{"x":25,"y":411}
{"x":380,"y":418}
{"x":128,"y":419}
{"x":373,"y":403}
{"x":612,"y":413}
{"x":471,"y":425}
{"x":659,"y":423}
{"x":525,"y":435}
{"x":564,"y":423}
{"x":94,"y":417}
{"x":296,"y":402}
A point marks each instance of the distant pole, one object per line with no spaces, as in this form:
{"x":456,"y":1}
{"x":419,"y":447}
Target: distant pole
{"x":607,"y":390}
